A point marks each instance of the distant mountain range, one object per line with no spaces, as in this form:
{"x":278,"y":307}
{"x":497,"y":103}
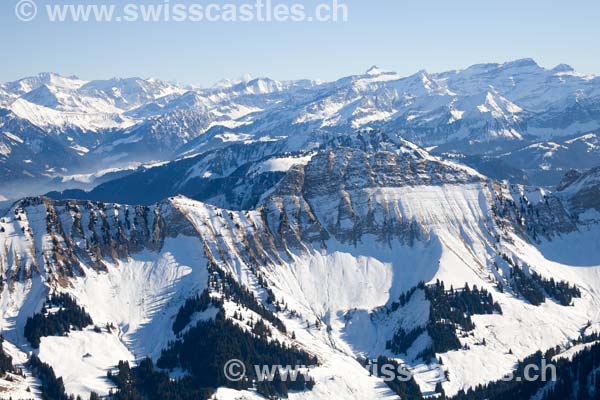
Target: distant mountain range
{"x":515,"y":120}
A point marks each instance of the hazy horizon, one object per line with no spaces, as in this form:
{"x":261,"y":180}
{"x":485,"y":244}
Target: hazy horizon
{"x":248,"y":76}
{"x":404,"y":37}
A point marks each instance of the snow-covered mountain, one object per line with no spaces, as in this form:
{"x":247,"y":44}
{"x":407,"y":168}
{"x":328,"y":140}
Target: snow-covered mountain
{"x":26,"y":151}
{"x":338,"y":259}
{"x":536,"y":162}
{"x":507,"y":92}
{"x":486,"y":109}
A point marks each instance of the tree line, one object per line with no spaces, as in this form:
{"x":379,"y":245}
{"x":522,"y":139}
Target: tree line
{"x":69,"y":315}
{"x":535,"y":288}
{"x":449,"y":310}
{"x":195,"y":353}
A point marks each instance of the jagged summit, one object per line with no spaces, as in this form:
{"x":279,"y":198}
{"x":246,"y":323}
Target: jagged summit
{"x":523,"y":62}
{"x":561,"y":68}
{"x":375,"y":71}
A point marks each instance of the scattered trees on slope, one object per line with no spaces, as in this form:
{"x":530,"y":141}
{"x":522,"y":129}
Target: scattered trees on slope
{"x":52,"y":387}
{"x":403,"y":384}
{"x":192,"y":305}
{"x":449,"y":310}
{"x":225,"y":283}
{"x":577,"y":378}
{"x":534,"y":287}
{"x":195,"y":353}
{"x":46,"y":323}
{"x":6,"y":364}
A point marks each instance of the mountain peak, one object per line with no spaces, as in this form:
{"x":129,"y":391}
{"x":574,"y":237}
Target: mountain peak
{"x":30,"y":83}
{"x":521,"y":63}
{"x":423,"y":74}
{"x":50,"y":75}
{"x":563,"y":68}
{"x":375,"y":71}
{"x":229,"y":83}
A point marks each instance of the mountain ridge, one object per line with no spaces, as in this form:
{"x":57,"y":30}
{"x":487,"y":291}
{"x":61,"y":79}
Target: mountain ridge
{"x":339,"y":238}
{"x":483,"y":110}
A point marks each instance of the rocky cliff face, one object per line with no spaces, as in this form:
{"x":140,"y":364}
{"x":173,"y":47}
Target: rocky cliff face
{"x":372,"y":189}
{"x":54,"y":239}
{"x":582,"y":190}
{"x":347,"y":193}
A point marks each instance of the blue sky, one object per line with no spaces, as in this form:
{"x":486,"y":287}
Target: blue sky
{"x":400,"y":35}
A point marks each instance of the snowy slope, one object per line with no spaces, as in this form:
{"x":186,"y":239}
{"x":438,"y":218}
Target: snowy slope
{"x":454,"y":239}
{"x":340,"y":280}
